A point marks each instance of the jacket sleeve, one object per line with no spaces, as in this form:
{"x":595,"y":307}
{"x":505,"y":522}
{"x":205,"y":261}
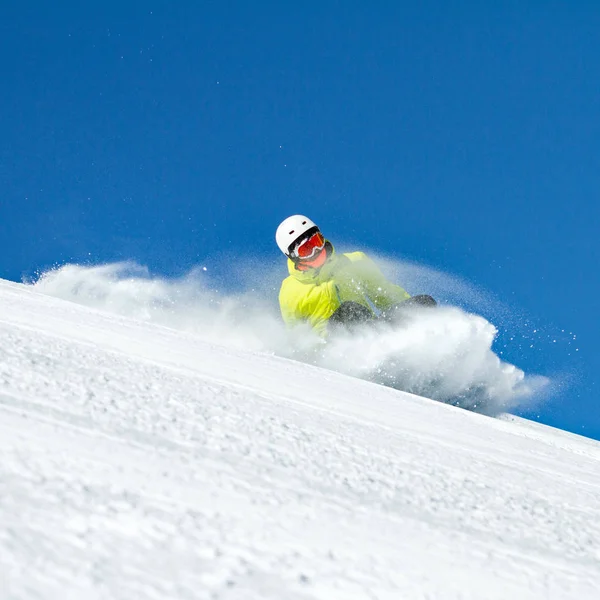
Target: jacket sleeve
{"x":312,"y":304}
{"x":382,"y":292}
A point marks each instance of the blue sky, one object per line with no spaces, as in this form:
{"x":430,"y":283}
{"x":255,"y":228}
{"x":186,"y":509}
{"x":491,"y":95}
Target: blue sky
{"x":462,"y":135}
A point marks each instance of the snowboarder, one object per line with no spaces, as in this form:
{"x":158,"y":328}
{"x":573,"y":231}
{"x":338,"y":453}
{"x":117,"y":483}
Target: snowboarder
{"x":325,"y":288}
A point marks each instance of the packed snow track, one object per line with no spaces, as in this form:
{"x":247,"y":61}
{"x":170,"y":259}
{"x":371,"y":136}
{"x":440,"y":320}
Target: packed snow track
{"x":137,"y":461}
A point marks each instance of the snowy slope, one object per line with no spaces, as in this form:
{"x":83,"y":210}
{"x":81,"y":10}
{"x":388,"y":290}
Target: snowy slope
{"x":137,"y":461}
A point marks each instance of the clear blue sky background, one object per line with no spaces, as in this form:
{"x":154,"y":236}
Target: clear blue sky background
{"x":463,"y":135}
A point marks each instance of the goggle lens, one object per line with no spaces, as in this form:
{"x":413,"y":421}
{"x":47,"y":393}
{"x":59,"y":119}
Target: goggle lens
{"x":310,"y":246}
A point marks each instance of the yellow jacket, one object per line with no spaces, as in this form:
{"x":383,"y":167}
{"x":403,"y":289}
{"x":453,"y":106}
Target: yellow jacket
{"x":315,"y":294}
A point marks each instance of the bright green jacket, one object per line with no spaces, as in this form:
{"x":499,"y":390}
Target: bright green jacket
{"x":314,"y":295}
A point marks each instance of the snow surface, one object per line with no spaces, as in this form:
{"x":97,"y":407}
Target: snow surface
{"x":138,"y":461}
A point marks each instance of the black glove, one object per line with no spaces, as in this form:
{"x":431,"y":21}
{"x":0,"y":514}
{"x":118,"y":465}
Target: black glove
{"x":420,"y":300}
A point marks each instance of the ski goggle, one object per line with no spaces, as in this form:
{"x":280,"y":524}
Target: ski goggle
{"x":310,"y":246}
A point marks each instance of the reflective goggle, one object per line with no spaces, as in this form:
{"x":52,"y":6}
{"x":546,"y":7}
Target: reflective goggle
{"x":310,"y":246}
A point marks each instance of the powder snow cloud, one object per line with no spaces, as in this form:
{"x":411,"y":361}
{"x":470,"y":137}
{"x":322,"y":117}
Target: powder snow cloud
{"x":445,"y":354}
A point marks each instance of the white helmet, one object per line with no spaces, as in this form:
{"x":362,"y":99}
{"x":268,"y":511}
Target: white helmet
{"x":291,"y":229}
